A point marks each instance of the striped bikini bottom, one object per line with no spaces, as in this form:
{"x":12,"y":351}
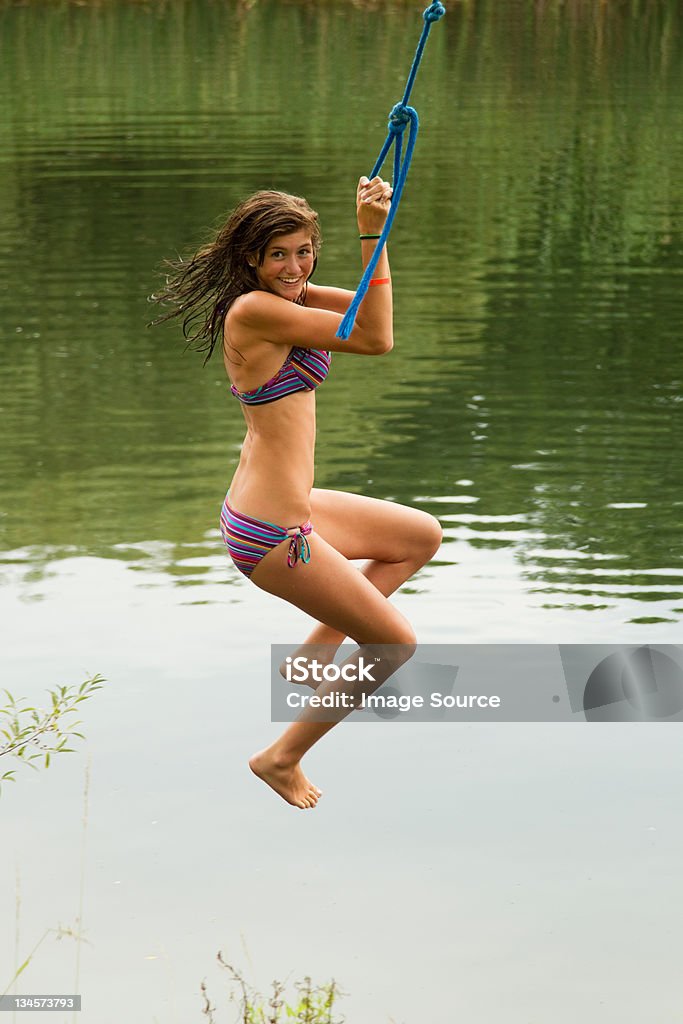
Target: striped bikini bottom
{"x":248,"y":539}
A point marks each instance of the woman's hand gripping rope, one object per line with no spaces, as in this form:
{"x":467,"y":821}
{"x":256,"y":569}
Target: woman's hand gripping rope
{"x":373,"y":201}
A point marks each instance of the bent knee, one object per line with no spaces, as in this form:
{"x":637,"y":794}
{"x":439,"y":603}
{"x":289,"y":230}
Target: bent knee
{"x":430,"y":535}
{"x":404,"y":634}
{"x":401,"y":647}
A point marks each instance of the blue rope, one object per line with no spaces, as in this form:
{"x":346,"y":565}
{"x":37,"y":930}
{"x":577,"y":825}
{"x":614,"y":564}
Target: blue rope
{"x":400,"y":117}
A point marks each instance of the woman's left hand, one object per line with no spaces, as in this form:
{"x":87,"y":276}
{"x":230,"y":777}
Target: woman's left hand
{"x":373,"y":199}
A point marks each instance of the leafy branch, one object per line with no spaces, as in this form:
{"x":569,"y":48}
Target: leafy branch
{"x":34,"y":734}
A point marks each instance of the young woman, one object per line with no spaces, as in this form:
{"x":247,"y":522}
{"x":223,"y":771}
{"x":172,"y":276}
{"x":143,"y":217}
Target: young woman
{"x":251,"y":290}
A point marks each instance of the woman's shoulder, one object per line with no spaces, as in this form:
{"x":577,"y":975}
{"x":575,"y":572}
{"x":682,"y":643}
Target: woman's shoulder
{"x":250,"y":304}
{"x":251,"y":316}
{"x":259,"y":318}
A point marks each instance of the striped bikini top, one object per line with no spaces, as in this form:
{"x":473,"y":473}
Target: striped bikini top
{"x":302,"y":370}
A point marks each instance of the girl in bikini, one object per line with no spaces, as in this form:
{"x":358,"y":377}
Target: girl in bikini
{"x":250,"y":289}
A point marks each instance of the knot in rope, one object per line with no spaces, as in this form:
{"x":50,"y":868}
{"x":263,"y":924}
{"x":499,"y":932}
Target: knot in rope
{"x":434,"y":12}
{"x":399,"y":118}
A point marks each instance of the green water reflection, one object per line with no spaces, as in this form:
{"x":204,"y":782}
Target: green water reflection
{"x":534,"y":396}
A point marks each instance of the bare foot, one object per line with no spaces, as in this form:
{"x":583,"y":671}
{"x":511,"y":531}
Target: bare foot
{"x":288,"y":781}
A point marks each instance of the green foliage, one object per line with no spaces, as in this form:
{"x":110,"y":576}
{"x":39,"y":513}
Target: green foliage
{"x":311,"y":1005}
{"x":33,"y":734}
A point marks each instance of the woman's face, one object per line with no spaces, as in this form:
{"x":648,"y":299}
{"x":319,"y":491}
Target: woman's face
{"x":287,"y":265}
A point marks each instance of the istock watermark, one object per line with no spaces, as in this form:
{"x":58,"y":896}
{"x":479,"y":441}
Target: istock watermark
{"x":305,"y":670}
{"x":478,"y":683}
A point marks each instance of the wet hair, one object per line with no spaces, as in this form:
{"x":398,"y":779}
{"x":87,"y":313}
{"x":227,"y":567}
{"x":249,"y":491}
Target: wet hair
{"x":202,"y":289}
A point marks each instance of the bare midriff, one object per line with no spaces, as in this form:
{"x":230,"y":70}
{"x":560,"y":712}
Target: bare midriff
{"x":274,"y":477}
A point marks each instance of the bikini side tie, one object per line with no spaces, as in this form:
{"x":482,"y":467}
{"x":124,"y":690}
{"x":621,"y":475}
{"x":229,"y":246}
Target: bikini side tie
{"x":299,"y":548}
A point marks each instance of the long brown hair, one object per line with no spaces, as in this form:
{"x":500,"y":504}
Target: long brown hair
{"x":202,"y":289}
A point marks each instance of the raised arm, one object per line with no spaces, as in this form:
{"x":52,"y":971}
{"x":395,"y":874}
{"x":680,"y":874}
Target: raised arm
{"x":375,"y":315}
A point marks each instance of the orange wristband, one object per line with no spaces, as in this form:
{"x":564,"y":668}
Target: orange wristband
{"x":380,"y":280}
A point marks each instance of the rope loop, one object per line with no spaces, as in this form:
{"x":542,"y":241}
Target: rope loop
{"x":434,"y":12}
{"x":399,"y":118}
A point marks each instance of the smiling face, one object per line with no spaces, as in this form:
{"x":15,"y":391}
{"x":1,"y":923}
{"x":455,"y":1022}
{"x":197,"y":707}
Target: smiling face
{"x":287,"y":264}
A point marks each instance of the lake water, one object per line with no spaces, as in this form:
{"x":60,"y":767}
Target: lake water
{"x":533,"y":401}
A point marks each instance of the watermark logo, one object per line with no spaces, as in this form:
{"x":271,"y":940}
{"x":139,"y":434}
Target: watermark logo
{"x":624,"y":684}
{"x":478,"y":683}
{"x":305,"y":670}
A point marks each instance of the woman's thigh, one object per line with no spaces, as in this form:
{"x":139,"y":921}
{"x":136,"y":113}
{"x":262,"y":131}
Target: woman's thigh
{"x":361,"y":527}
{"x":332,"y":590}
